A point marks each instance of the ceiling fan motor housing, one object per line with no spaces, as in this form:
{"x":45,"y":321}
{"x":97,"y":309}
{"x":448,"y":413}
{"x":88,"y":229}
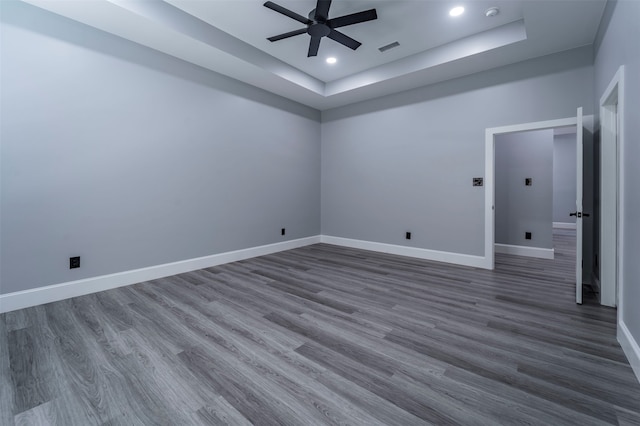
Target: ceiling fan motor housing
{"x":318,"y":30}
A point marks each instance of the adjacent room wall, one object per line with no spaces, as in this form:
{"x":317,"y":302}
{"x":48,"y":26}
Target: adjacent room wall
{"x":406,"y":162}
{"x":520,"y":208}
{"x":616,"y":45}
{"x":130,"y":158}
{"x":564,"y":178}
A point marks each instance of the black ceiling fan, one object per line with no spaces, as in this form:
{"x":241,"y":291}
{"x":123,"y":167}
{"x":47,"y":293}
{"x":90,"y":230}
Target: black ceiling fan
{"x":319,"y":25}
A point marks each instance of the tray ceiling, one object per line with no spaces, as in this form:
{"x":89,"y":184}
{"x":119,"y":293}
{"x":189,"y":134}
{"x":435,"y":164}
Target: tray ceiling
{"x":229,"y":37}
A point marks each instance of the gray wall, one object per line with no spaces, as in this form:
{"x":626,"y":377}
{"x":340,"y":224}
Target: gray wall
{"x":564,"y":177}
{"x":617,"y":45}
{"x":521,"y":208}
{"x":406,"y":161}
{"x":130,"y":158}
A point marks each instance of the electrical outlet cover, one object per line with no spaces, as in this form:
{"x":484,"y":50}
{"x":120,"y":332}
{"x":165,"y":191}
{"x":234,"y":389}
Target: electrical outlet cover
{"x":74,"y":262}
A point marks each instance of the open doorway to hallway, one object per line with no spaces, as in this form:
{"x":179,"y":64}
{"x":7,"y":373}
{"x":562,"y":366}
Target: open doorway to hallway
{"x":535,"y":189}
{"x":543,"y":218}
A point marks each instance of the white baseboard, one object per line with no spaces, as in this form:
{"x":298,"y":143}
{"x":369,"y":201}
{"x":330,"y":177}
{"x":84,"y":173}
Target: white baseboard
{"x":542,"y":253}
{"x":564,"y":225}
{"x":52,"y":293}
{"x":630,"y":348}
{"x":435,"y":255}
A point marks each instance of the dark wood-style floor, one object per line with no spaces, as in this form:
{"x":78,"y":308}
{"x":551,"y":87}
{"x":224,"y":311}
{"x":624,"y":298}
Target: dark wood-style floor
{"x":323,"y":335}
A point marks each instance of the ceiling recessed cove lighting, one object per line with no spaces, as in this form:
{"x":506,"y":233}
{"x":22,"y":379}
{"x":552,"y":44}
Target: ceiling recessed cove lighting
{"x":456,"y":11}
{"x":331,"y":60}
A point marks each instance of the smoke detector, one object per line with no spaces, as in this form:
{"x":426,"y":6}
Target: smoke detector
{"x":491,"y":12}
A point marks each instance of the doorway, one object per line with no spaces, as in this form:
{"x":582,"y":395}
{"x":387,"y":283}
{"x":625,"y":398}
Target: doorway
{"x":535,"y":190}
{"x":490,"y":201}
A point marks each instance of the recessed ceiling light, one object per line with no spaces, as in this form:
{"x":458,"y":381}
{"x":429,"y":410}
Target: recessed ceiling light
{"x":456,"y":11}
{"x":491,"y":12}
{"x":331,"y":60}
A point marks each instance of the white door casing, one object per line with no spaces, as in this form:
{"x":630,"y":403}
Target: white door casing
{"x":611,"y":186}
{"x":578,"y":213}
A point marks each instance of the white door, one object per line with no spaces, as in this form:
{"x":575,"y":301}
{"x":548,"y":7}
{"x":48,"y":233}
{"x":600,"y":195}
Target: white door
{"x":578,"y":213}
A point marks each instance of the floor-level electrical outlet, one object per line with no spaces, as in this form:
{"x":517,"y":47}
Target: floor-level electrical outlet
{"x":282,"y":231}
{"x":407,"y":235}
{"x":74,"y":262}
{"x":527,"y":235}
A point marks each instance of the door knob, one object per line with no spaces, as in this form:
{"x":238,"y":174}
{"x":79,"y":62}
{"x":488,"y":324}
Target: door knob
{"x":579,"y":214}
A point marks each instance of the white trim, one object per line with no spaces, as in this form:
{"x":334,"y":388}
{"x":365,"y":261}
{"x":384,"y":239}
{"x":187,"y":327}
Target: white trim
{"x":620,"y":74}
{"x":536,"y":125}
{"x":630,"y":348}
{"x":489,"y":199}
{"x":489,"y":177}
{"x":53,"y":293}
{"x":541,"y":253}
{"x":564,"y":225}
{"x":615,"y":87}
{"x":579,"y":257}
{"x":435,"y":255}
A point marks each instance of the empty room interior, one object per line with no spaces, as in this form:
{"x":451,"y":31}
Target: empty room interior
{"x":367,"y":212}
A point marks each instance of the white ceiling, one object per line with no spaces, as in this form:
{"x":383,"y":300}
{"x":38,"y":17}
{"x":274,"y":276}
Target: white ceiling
{"x":416,"y":25}
{"x":229,"y":37}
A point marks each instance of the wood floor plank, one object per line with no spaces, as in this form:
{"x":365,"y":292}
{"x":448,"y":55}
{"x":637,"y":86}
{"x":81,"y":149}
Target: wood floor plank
{"x":376,"y":382}
{"x":66,"y":409}
{"x":324,"y":335}
{"x":551,"y":412}
{"x":16,"y":320}
{"x":608,"y":371}
{"x":587,"y":385}
{"x":264,"y":364}
{"x":81,"y":363}
{"x":220,"y":412}
{"x":30,"y":388}
{"x":7,"y":389}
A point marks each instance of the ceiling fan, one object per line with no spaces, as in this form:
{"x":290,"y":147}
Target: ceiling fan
{"x":319,"y":25}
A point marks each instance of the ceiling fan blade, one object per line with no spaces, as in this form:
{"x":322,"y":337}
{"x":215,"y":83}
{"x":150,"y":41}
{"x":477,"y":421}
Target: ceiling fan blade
{"x":322,"y":10}
{"x":286,"y":12}
{"x":354,"y":18}
{"x":344,"y":39}
{"x":314,"y":45}
{"x":287,"y":35}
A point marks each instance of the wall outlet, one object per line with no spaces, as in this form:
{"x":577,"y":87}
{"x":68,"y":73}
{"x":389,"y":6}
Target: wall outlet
{"x":282,"y":231}
{"x":407,"y":235}
{"x":528,"y":181}
{"x":74,"y":262}
{"x":527,"y":235}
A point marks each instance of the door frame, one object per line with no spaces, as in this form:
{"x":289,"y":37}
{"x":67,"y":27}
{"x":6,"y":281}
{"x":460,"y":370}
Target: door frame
{"x":611,"y":156}
{"x":489,"y":167}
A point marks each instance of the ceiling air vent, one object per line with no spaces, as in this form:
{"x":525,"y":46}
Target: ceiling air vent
{"x":388,"y":46}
